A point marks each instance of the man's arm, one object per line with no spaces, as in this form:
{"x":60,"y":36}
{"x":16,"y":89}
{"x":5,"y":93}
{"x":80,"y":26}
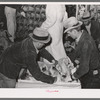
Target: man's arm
{"x":45,"y":54}
{"x":34,"y":69}
{"x":84,"y":60}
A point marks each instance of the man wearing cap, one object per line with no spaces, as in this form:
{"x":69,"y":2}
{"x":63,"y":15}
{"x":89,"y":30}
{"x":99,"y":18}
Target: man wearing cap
{"x":92,"y":26}
{"x":24,"y":54}
{"x":86,"y":52}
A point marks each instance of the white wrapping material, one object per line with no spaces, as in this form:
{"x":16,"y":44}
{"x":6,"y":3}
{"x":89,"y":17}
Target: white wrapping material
{"x":64,"y":65}
{"x":32,"y":83}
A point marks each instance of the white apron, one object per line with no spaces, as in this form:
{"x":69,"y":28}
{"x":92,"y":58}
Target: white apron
{"x":55,"y":16}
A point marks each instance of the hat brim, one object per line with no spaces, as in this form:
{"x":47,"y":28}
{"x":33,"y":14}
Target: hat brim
{"x":80,"y":23}
{"x":86,"y":19}
{"x":42,"y":41}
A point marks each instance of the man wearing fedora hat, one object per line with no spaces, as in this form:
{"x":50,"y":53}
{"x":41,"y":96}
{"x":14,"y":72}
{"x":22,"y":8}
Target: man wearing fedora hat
{"x":86,"y":52}
{"x":98,"y":15}
{"x":92,"y":26}
{"x":24,"y":54}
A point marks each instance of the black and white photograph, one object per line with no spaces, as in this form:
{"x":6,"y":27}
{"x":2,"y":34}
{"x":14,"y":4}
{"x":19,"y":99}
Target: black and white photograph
{"x":50,"y":45}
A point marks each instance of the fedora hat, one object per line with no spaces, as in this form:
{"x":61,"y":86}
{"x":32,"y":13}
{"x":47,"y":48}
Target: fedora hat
{"x":40,"y":35}
{"x":72,"y":23}
{"x":86,"y":16}
{"x":98,"y":9}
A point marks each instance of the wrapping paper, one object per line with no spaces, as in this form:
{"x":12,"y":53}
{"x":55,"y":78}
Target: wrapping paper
{"x":32,"y":83}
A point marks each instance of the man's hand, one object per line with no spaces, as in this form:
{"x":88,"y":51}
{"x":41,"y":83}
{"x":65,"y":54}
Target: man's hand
{"x":57,"y":79}
{"x":55,"y":62}
{"x":73,"y":70}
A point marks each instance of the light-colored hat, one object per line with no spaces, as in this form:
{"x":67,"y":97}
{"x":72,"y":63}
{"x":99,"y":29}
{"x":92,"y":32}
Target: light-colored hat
{"x":72,"y":23}
{"x":86,"y":16}
{"x":98,"y":9}
{"x":40,"y":35}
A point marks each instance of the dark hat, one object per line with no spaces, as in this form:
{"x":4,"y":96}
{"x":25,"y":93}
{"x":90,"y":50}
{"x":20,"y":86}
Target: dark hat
{"x":40,"y":35}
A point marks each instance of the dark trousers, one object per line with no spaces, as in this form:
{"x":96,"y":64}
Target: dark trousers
{"x":90,"y":81}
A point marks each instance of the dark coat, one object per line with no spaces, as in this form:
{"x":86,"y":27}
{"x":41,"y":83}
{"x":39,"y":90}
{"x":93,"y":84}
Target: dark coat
{"x":94,"y":29}
{"x":19,"y":55}
{"x":88,"y":55}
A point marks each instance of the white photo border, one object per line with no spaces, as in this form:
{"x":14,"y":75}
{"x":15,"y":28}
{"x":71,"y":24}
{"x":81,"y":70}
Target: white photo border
{"x":43,"y":93}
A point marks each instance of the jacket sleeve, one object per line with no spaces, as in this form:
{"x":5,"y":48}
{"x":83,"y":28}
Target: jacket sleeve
{"x":84,"y":60}
{"x":34,"y":69}
{"x":45,"y":54}
{"x":51,"y":16}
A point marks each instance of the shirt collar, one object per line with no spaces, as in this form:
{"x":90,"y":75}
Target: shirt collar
{"x":77,"y":40}
{"x":36,"y":48}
